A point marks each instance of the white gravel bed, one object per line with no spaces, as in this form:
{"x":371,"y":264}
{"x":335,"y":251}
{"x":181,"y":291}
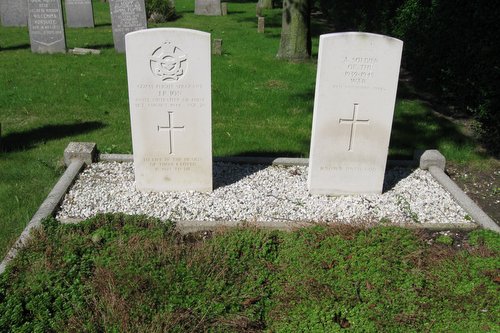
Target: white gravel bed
{"x":259,"y":193}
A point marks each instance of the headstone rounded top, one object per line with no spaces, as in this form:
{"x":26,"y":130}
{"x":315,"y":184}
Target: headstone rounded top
{"x":357,"y":34}
{"x":169,"y":30}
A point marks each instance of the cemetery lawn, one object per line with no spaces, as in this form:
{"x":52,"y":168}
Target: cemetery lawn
{"x":261,"y":106}
{"x":118,"y":273}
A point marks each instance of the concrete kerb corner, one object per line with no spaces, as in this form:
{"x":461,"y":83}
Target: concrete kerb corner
{"x":80,"y":151}
{"x":435,"y":162}
{"x":76,"y":156}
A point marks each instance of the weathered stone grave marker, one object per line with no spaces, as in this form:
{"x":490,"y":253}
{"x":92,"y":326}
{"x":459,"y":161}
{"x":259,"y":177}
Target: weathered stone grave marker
{"x":126,"y":16}
{"x":207,"y":7}
{"x":46,"y":26}
{"x":79,"y":13}
{"x":356,"y":87}
{"x":260,"y":24}
{"x":169,"y":82}
{"x":217,"y":47}
{"x":14,"y":13}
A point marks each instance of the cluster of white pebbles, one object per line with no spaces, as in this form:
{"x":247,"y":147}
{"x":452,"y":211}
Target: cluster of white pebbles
{"x":261,"y":193}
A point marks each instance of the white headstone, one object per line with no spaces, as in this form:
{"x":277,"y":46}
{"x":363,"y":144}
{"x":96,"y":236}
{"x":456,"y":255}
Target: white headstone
{"x":169,"y":82}
{"x":46,"y":26}
{"x":79,"y":13}
{"x":14,"y":13}
{"x":126,"y":16}
{"x":356,"y":88}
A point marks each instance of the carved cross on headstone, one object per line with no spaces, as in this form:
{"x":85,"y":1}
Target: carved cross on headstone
{"x":169,"y":128}
{"x":353,"y":122}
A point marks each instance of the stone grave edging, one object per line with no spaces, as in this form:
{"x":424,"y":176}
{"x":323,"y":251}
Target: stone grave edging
{"x":79,"y":154}
{"x":76,"y":156}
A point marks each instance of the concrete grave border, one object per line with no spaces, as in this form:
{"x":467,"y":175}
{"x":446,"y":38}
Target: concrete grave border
{"x":79,"y":154}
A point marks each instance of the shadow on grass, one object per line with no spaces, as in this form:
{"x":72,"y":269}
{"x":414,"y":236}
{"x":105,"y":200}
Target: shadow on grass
{"x":15,"y":47}
{"x":30,"y":139}
{"x":100,"y":25}
{"x":319,"y":24}
{"x":272,"y":20}
{"x":101,"y":46}
{"x":424,"y":130}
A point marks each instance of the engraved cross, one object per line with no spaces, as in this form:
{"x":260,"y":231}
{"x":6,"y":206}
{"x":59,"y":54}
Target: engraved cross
{"x":169,"y":128}
{"x":352,"y":122}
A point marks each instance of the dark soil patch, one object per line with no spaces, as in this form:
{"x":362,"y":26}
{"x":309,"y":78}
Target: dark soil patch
{"x":481,"y":183}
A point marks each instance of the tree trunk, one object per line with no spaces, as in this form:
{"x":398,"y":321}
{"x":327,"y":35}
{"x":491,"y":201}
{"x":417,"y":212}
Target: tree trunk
{"x":295,"y":43}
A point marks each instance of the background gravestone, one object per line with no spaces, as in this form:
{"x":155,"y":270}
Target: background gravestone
{"x":126,"y":16}
{"x":169,"y":82}
{"x":356,"y":87}
{"x":261,"y":24}
{"x":79,"y":13}
{"x":46,"y":26}
{"x":208,"y":7}
{"x":14,"y":13}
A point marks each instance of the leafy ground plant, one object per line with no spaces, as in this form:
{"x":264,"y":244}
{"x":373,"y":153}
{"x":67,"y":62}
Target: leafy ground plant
{"x":119,"y":273}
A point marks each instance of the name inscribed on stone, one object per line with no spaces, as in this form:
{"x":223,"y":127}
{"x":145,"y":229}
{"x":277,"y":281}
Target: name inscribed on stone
{"x":126,"y":16}
{"x":354,"y":104}
{"x":46,"y":26}
{"x":170,"y":108}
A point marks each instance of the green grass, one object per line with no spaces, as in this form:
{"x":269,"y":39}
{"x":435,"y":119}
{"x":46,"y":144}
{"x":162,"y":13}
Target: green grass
{"x":119,"y":273}
{"x":261,"y":106}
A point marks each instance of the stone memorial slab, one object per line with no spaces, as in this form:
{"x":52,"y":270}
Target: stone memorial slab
{"x":169,"y":83}
{"x":126,"y":16}
{"x":217,"y":47}
{"x":355,"y":94}
{"x":208,"y":7}
{"x":46,"y":26}
{"x":261,"y":21}
{"x":79,"y":14}
{"x":14,"y":13}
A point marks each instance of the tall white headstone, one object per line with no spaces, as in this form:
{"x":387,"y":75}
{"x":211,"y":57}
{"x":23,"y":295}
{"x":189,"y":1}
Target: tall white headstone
{"x":169,"y":82}
{"x":354,"y":102}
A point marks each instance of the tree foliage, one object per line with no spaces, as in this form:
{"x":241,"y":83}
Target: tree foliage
{"x":160,"y":10}
{"x":454,"y":46}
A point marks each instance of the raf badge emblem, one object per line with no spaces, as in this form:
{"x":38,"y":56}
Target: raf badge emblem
{"x":168,"y":62}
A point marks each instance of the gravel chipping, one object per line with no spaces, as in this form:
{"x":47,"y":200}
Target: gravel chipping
{"x":261,"y":193}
